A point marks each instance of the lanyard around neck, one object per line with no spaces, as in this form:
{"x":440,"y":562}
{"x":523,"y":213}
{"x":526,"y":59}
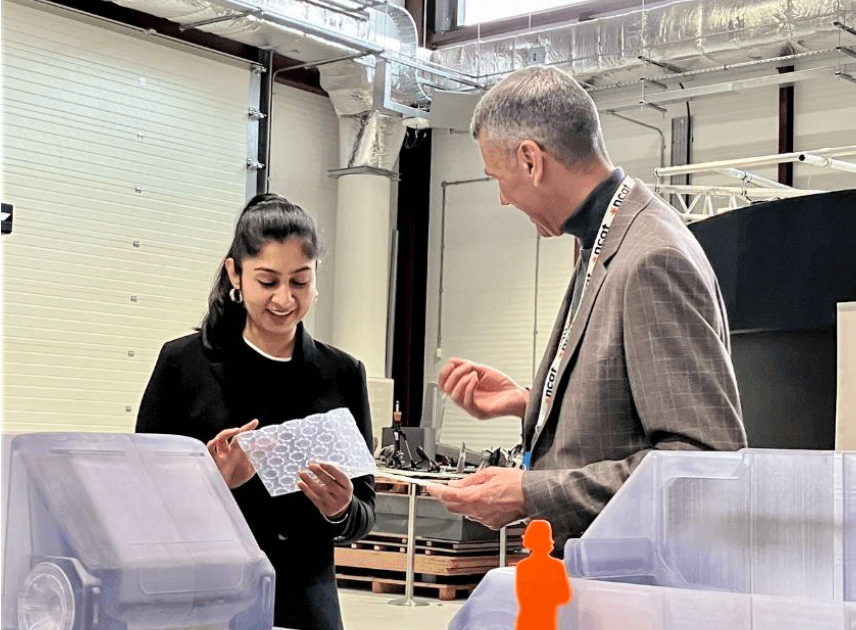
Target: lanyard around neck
{"x":550,"y":383}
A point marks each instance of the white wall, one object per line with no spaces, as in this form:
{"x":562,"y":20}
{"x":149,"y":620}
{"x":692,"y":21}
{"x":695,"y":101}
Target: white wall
{"x":734,"y":126}
{"x":745,"y":125}
{"x":125,"y":160}
{"x":90,"y":112}
{"x":304,"y":147}
{"x":826,"y":117}
{"x":488,"y":286}
{"x":489,"y":265}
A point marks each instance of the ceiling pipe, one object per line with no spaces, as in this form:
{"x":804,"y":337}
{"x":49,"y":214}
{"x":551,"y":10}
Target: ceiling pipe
{"x":751,"y":178}
{"x":732,"y":191}
{"x":763,"y":160}
{"x":653,"y":42}
{"x":827,"y":162}
{"x":647,"y":126}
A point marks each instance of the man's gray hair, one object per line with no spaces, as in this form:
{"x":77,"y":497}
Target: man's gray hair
{"x":545,"y":105}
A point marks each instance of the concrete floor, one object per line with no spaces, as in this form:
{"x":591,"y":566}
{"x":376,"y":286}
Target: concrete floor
{"x":364,"y":610}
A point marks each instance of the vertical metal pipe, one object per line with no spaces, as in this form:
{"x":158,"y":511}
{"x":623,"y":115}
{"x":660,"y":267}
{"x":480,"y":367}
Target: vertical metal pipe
{"x":503,"y":547}
{"x":408,"y":599}
{"x":411,"y":545}
{"x":254,"y":167}
{"x":534,"y":330}
{"x":442,"y":256}
{"x":390,"y":304}
{"x":265,"y":127}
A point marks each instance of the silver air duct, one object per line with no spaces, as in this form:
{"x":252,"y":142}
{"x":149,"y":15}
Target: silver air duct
{"x":369,"y":95}
{"x":690,"y":35}
{"x":368,"y":137}
{"x":309,"y":32}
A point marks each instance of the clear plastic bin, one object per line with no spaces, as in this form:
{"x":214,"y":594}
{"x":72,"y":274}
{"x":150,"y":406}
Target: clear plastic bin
{"x":747,"y":540}
{"x":118,"y":531}
{"x":764,"y":522}
{"x":601,"y":605}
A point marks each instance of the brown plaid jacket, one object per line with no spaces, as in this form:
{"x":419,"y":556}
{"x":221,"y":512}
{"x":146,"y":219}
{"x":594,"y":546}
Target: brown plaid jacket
{"x":648,"y":366}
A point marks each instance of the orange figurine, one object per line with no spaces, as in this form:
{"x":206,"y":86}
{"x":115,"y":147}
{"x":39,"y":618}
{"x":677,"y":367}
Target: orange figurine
{"x":542,"y":584}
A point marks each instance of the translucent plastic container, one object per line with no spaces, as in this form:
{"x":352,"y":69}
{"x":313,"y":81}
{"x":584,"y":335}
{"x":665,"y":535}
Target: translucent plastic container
{"x":601,"y":605}
{"x":747,"y":540}
{"x":763,"y":522}
{"x":113,"y":532}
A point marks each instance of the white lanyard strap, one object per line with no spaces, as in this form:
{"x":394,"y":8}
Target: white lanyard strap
{"x":547,"y":396}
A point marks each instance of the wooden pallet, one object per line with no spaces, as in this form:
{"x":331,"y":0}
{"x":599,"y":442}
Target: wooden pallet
{"x":444,"y":592}
{"x":423,"y":563}
{"x":447,"y":568}
{"x":378,"y":541}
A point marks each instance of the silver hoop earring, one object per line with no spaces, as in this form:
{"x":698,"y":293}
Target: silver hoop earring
{"x":235,"y":295}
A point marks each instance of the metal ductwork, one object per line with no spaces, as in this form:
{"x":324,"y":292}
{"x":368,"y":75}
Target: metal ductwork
{"x":367,"y":54}
{"x":369,"y":137}
{"x":679,"y":37}
{"x":315,"y":31}
{"x":667,"y":43}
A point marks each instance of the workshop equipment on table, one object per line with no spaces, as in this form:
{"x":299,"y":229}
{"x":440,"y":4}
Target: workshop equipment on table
{"x":416,"y":542}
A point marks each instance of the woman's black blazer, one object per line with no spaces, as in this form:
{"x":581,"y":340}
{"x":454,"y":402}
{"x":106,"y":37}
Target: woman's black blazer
{"x":197,"y":391}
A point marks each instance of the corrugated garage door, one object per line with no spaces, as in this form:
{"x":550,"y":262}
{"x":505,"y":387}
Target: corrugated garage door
{"x":125,"y":159}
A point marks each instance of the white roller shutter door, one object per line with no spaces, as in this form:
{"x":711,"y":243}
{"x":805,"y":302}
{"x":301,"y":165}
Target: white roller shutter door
{"x":125,"y":160}
{"x":304,"y":148}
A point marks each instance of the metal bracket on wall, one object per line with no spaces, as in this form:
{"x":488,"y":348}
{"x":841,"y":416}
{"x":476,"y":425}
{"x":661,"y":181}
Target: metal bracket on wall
{"x":253,"y":128}
{"x":658,"y":84}
{"x":382,"y":93}
{"x":336,"y":173}
{"x":7,"y":218}
{"x":847,"y":77}
{"x":656,"y":108}
{"x":844,"y":27}
{"x":662,"y":64}
{"x":218,"y":19}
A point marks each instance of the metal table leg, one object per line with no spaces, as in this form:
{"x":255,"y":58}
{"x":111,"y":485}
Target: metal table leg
{"x":503,"y":547}
{"x":408,"y":599}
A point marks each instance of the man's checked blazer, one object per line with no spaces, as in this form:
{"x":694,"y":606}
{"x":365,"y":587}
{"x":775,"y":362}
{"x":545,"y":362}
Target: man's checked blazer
{"x":647,"y":367}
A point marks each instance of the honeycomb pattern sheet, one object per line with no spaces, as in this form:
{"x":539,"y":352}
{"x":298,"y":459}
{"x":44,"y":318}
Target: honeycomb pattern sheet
{"x":278,"y":452}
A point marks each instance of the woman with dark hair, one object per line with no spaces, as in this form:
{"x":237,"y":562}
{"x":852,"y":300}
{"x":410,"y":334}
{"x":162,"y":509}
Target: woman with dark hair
{"x":252,"y":363}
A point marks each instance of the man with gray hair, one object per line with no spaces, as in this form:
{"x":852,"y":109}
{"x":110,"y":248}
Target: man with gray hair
{"x":639,"y":356}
